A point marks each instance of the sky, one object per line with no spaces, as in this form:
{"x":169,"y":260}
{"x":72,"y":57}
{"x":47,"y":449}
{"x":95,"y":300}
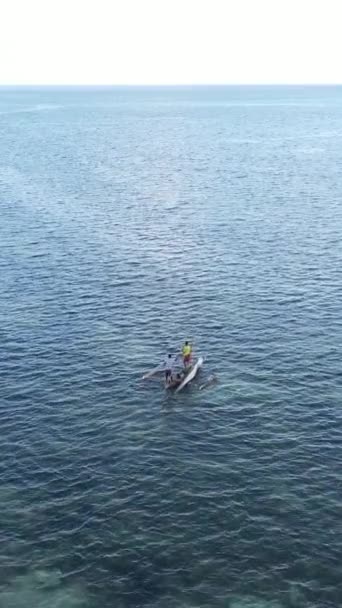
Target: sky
{"x":170,"y":42}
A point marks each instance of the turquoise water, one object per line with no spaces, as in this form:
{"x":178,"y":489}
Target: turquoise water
{"x":130,"y":220}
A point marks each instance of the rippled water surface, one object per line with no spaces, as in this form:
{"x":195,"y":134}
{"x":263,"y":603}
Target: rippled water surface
{"x":130,"y":220}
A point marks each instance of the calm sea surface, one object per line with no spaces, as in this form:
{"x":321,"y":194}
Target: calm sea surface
{"x":132,"y":219}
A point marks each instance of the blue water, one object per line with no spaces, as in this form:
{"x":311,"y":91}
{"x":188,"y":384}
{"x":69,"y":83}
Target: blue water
{"x":130,"y":220}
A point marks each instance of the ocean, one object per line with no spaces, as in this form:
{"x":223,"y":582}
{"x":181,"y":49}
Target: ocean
{"x":133,"y":219}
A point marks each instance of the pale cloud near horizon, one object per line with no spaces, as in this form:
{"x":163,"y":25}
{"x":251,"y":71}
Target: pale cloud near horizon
{"x":170,"y":41}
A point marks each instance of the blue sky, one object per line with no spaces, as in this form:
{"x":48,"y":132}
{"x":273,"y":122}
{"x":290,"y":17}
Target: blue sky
{"x":170,"y":41}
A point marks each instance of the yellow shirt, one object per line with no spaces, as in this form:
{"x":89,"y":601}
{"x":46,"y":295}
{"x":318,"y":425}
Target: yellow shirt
{"x":186,"y":350}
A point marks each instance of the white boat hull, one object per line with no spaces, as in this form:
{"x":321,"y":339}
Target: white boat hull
{"x":191,"y":375}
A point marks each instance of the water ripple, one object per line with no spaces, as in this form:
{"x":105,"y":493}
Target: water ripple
{"x":121,"y":236}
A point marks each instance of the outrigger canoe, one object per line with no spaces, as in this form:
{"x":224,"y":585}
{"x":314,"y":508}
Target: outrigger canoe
{"x":179,"y":378}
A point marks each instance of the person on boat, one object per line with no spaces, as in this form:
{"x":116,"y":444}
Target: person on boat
{"x":186,"y":352}
{"x":175,"y":379}
{"x":169,"y":365}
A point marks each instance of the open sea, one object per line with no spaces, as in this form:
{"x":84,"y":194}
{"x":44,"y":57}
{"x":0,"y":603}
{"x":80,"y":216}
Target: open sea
{"x":132,"y":219}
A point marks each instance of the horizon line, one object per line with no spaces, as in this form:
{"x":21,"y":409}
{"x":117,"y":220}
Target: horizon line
{"x":168,"y":85}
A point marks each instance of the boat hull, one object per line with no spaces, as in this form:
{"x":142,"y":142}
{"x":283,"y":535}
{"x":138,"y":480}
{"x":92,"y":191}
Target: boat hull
{"x":191,"y":374}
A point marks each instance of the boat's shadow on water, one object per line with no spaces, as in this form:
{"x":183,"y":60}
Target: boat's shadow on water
{"x":192,"y":396}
